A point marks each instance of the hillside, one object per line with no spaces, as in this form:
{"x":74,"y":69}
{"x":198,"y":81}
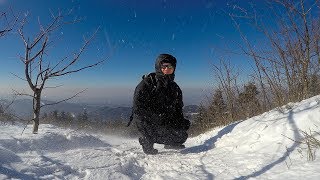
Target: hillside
{"x":261,"y":147}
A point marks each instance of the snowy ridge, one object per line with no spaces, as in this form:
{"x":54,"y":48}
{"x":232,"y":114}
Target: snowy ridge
{"x":259,"y":148}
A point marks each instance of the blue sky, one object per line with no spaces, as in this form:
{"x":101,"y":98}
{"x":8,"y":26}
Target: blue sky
{"x":132,"y":34}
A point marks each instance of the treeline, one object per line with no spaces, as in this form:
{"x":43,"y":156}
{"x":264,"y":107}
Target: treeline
{"x":226,"y":105}
{"x":285,"y":63}
{"x":82,"y":121}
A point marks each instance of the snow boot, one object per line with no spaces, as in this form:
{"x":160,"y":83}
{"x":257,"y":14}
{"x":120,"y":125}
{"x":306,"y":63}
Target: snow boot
{"x":147,"y":147}
{"x":174,"y":146}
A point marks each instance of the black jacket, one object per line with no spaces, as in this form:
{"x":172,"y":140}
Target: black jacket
{"x":158,"y":100}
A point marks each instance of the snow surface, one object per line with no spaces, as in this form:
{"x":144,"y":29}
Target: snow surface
{"x":257,"y":148}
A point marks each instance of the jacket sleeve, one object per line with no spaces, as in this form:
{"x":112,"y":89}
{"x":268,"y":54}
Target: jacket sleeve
{"x":179,"y":105}
{"x":182,"y":122}
{"x":141,"y":101}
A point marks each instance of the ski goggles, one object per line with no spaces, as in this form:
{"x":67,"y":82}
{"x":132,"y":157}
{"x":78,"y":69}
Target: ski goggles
{"x":167,"y":66}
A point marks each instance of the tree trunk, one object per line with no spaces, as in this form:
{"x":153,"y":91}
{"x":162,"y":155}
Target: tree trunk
{"x":36,"y":111}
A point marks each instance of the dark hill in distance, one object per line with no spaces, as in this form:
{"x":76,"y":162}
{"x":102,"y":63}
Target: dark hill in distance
{"x":23,"y":108}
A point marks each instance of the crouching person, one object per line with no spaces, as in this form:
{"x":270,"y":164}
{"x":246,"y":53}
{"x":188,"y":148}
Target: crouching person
{"x":157,"y":108}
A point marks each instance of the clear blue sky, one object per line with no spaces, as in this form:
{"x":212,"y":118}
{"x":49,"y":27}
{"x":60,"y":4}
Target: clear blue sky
{"x":132,"y":34}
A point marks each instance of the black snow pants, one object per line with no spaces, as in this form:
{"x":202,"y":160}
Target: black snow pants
{"x":161,"y":134}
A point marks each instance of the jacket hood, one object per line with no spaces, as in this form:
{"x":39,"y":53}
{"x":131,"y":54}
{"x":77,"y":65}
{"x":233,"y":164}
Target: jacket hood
{"x":165,"y":58}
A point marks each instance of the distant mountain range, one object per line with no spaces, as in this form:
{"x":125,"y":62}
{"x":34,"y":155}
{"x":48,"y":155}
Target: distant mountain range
{"x":23,"y":108}
{"x":107,"y":113}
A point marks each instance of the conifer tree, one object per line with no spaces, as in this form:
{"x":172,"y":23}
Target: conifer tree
{"x":201,"y":120}
{"x":248,"y":101}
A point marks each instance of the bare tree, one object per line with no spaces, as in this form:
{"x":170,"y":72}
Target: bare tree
{"x":38,"y":70}
{"x":289,"y":58}
{"x":226,"y":76}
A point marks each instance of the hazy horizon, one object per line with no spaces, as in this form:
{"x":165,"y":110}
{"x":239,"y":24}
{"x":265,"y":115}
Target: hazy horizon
{"x":116,"y":96}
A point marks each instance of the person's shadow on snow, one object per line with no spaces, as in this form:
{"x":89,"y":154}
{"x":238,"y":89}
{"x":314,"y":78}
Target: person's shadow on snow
{"x":209,"y":144}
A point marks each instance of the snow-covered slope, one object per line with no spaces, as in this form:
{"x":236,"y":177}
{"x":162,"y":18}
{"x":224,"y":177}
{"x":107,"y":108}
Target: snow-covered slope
{"x":259,"y":148}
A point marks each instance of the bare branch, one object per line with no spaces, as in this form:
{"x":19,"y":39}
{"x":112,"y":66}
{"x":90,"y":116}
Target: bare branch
{"x":77,"y":70}
{"x":54,"y":25}
{"x":2,"y":32}
{"x":57,"y":65}
{"x":9,"y":21}
{"x":41,"y":51}
{"x":76,"y":58}
{"x":75,"y":95}
{"x":10,"y":103}
{"x":19,"y":77}
{"x":28,"y":76}
{"x":26,"y":126}
{"x":52,"y":87}
{"x":312,"y":6}
{"x":20,"y":30}
{"x":16,"y":93}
